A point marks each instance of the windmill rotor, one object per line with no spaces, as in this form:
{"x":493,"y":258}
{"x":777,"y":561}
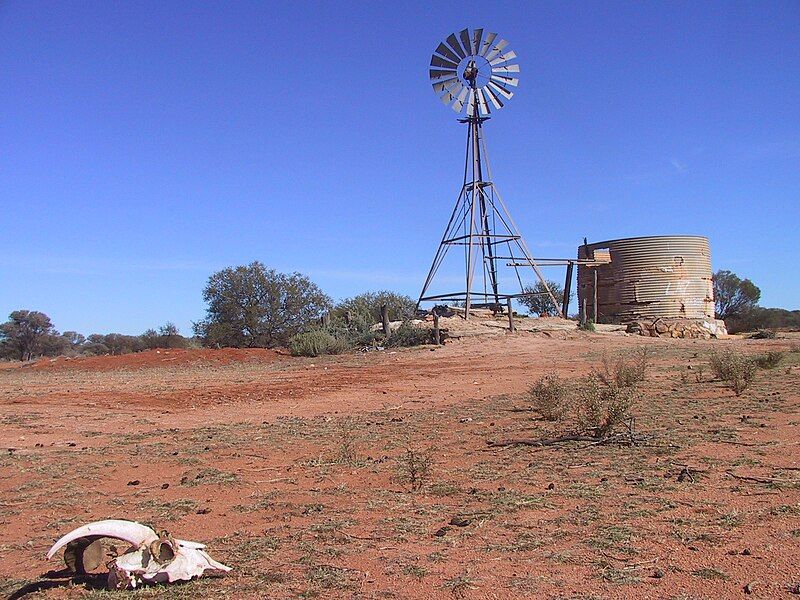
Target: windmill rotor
{"x":473,"y":70}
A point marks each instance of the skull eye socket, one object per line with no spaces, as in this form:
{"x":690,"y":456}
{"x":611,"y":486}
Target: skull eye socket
{"x":162,"y":551}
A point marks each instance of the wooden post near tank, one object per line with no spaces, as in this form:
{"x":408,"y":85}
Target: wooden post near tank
{"x":510,"y":315}
{"x":437,"y":336}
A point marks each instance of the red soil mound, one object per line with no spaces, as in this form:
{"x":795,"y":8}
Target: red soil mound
{"x":155,"y":358}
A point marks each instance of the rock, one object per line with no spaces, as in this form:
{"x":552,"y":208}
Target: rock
{"x":750,"y":587}
{"x":442,"y":531}
{"x":661,"y":327}
{"x":657,"y":573}
{"x":460,"y":521}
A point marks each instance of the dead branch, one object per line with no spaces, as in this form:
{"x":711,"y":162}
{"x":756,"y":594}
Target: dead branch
{"x":544,"y":441}
{"x":761,"y":479}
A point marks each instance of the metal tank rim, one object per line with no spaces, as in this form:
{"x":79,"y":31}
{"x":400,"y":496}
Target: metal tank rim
{"x":645,"y":237}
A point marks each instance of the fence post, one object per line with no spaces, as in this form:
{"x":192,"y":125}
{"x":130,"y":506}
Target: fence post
{"x":436,"y":334}
{"x":385,"y":320}
{"x":510,"y":315}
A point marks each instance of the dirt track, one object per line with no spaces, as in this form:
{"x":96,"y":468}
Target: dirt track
{"x":292,"y":470}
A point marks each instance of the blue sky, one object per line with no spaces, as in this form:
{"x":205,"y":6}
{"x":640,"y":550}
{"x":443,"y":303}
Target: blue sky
{"x":144,"y":145}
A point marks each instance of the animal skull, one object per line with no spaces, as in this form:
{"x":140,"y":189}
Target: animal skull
{"x":151,"y":558}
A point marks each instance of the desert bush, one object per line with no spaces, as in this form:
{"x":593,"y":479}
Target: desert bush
{"x":769,"y":360}
{"x":623,"y":371}
{"x":550,"y":397}
{"x":348,"y":443}
{"x":735,"y":369}
{"x":408,"y":335}
{"x":367,"y":306}
{"x":316,"y":343}
{"x":356,"y":333}
{"x":588,"y":325}
{"x":763,"y":334}
{"x":414,"y":468}
{"x":601,"y":407}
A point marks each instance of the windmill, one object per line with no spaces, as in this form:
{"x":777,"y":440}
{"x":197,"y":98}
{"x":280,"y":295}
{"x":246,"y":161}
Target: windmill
{"x":473,"y":73}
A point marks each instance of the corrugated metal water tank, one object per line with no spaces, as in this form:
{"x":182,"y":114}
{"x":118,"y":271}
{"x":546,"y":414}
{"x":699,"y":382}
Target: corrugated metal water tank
{"x":647,"y":277}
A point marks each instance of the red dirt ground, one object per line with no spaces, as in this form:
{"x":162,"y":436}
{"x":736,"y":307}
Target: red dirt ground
{"x":296,"y":472}
{"x":152,"y":358}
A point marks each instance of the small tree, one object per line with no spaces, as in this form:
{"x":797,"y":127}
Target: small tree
{"x":23,"y":335}
{"x":733,"y":297}
{"x":168,"y":329}
{"x":538,"y":301}
{"x":367,"y":306}
{"x":252,"y":306}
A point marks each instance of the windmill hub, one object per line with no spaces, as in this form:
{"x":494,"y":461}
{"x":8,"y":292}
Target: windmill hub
{"x":473,"y":71}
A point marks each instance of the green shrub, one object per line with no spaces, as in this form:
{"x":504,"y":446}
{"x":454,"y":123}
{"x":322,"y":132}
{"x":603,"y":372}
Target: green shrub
{"x":587,"y":326}
{"x":316,"y":343}
{"x":735,"y":369}
{"x":355,"y":334}
{"x":408,"y":335}
{"x":550,"y":396}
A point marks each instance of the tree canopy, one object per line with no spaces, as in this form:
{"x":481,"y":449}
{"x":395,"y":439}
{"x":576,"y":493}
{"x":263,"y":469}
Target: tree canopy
{"x":733,"y":296}
{"x":538,"y":301}
{"x":24,"y":335}
{"x":253,"y":306}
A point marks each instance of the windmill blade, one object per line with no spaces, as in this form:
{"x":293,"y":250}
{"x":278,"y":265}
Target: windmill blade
{"x":487,"y":43}
{"x":459,"y":103}
{"x":445,"y":51}
{"x":471,"y":103}
{"x":466,"y":41}
{"x":436,"y":74}
{"x":476,"y":40}
{"x":504,"y":58}
{"x":484,"y":108}
{"x":438,"y":61}
{"x":506,"y":69}
{"x":451,"y":95}
{"x":447,"y":84}
{"x":498,"y":104}
{"x":501,"y":90}
{"x":451,"y":39}
{"x":497,"y":49}
{"x":505,"y":80}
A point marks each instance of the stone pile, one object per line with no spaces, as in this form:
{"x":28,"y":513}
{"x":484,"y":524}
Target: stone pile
{"x":704,"y":329}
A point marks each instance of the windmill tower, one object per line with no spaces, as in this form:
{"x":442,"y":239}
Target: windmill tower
{"x":472,"y":73}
